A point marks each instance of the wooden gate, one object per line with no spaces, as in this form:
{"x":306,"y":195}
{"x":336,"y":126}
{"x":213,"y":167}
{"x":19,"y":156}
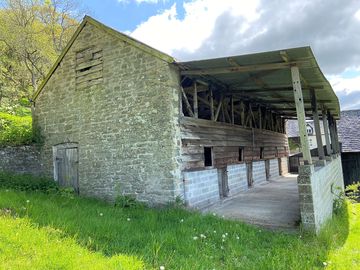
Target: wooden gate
{"x":66,"y":165}
{"x":249,"y":173}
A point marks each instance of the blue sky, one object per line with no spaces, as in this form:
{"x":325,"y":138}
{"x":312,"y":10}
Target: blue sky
{"x":194,"y":29}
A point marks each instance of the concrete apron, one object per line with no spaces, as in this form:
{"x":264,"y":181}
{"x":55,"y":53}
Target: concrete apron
{"x":273,"y":205}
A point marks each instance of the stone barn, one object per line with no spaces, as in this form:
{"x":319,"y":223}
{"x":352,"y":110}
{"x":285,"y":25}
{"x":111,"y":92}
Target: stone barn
{"x":119,"y":117}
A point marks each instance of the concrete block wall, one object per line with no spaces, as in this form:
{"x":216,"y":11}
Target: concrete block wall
{"x":201,"y":188}
{"x":318,"y":187}
{"x":274,"y":168}
{"x":284,"y":165}
{"x":259,"y":174}
{"x":237,"y":178}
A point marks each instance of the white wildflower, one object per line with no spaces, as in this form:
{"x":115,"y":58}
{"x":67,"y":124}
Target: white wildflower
{"x":101,"y":214}
{"x":237,"y":237}
{"x":195,"y":238}
{"x":214,"y":231}
{"x":203,"y":236}
{"x":162,"y":267}
{"x":181,"y":220}
{"x":27,"y":201}
{"x":325,"y":263}
{"x":128,"y":219}
{"x":223,"y":236}
{"x":214,"y":214}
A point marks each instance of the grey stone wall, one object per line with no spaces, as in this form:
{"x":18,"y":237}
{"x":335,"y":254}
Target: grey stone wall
{"x":259,"y":174}
{"x":201,"y":188}
{"x":237,"y":178}
{"x":126,"y":126}
{"x":274,"y":168}
{"x":318,"y":187}
{"x":21,"y":159}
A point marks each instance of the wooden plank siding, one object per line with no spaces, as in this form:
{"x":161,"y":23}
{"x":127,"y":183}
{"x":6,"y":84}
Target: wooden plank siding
{"x":225,"y":140}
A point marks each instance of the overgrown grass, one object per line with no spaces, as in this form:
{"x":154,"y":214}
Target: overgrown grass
{"x":169,"y":237}
{"x":15,"y":130}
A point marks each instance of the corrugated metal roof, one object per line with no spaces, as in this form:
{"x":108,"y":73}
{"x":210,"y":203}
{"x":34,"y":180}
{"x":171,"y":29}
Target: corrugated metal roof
{"x":269,"y":81}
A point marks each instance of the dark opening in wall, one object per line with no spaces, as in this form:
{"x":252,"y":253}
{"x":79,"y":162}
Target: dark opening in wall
{"x":261,"y":152}
{"x":241,"y":154}
{"x":208,"y":161}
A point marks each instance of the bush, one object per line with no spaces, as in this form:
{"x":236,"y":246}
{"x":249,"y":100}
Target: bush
{"x":128,"y":201}
{"x":353,"y":192}
{"x":27,"y":182}
{"x":15,"y":130}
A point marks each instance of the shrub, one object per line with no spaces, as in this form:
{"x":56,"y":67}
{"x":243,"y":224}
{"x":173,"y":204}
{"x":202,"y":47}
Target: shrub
{"x":353,"y":192}
{"x":27,"y":182}
{"x":15,"y":130}
{"x":128,"y":201}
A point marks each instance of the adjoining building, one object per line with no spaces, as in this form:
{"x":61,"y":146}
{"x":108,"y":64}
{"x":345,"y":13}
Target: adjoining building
{"x":349,"y":137}
{"x":119,"y":117}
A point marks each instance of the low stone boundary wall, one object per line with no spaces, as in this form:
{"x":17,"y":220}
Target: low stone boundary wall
{"x":259,"y":174}
{"x":237,"y":178}
{"x":21,"y":159}
{"x":318,"y":187}
{"x":274,"y":168}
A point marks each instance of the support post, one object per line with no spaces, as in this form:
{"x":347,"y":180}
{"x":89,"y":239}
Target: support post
{"x":212,"y":105}
{"x":300,"y":112}
{"x":195,"y":101}
{"x":232,"y":110}
{"x":315,"y":113}
{"x":326,"y":131}
{"x":187,"y":104}
{"x":260,"y":117}
{"x":242,"y":113}
{"x":332,"y":134}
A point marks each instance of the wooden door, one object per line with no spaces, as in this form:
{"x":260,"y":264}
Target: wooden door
{"x":66,"y":167}
{"x":267,"y":169}
{"x":223,"y":182}
{"x":249,"y":173}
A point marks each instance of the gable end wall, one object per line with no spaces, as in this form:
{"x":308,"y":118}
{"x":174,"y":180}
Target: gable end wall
{"x":126,"y":126}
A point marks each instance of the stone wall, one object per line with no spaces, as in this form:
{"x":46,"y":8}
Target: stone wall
{"x":318,"y":187}
{"x":21,"y":159}
{"x":125,"y":123}
{"x":284,"y":165}
{"x":201,"y":188}
{"x":237,"y":178}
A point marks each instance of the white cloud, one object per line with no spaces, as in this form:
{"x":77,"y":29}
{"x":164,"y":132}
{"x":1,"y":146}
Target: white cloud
{"x":357,"y":15}
{"x":345,"y":85}
{"x":168,"y":33}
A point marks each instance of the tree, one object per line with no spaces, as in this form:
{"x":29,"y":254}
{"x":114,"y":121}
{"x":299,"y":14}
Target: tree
{"x":32,"y":35}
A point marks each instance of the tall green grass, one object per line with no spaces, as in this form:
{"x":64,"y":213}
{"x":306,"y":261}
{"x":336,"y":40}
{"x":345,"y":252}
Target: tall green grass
{"x":15,"y":130}
{"x":173,"y":237}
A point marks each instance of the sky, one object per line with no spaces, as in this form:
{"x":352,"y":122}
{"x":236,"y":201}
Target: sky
{"x":197,"y":29}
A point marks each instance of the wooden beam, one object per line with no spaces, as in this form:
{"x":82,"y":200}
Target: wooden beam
{"x":218,"y":108}
{"x":319,"y":143}
{"x":211,"y":105}
{"x":248,"y":68}
{"x":260,"y":116}
{"x":195,"y":102}
{"x":326,"y":131}
{"x":232,"y":110}
{"x":187,"y":104}
{"x":300,"y":112}
{"x":242,"y":113}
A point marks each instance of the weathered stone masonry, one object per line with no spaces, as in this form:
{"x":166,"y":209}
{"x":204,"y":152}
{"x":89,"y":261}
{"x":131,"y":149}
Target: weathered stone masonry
{"x":126,"y":126}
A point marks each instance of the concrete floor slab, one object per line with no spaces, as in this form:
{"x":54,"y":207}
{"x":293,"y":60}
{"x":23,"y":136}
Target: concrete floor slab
{"x":274,"y":205}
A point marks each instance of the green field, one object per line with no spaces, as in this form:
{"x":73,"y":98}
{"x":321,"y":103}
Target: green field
{"x":61,"y":231}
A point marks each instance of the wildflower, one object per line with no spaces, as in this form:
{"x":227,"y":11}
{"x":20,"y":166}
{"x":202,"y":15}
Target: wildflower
{"x":223,"y":240}
{"x":162,"y":267}
{"x":203,"y":236}
{"x":195,"y":238}
{"x":226,"y":234}
{"x":325,"y":263}
{"x":259,"y":230}
{"x":222,"y":247}
{"x":181,"y":220}
{"x":101,"y":214}
{"x":214,"y":231}
{"x":128,"y":219}
{"x":237,"y":237}
{"x":223,"y":236}
{"x":27,"y":201}
{"x":214,"y":214}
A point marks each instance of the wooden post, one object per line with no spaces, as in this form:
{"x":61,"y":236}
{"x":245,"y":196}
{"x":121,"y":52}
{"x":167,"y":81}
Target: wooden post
{"x":300,"y":112}
{"x":242,"y":113}
{"x":218,"y":108}
{"x":187,"y":104}
{"x":195,"y":101}
{"x":260,"y":117}
{"x":337,"y":137}
{"x":232,"y":110}
{"x":315,"y":113}
{"x":326,"y":131}
{"x":212,"y":105}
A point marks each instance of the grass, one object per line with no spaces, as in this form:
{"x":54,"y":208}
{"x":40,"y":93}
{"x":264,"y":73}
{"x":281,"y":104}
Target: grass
{"x":52,"y":231}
